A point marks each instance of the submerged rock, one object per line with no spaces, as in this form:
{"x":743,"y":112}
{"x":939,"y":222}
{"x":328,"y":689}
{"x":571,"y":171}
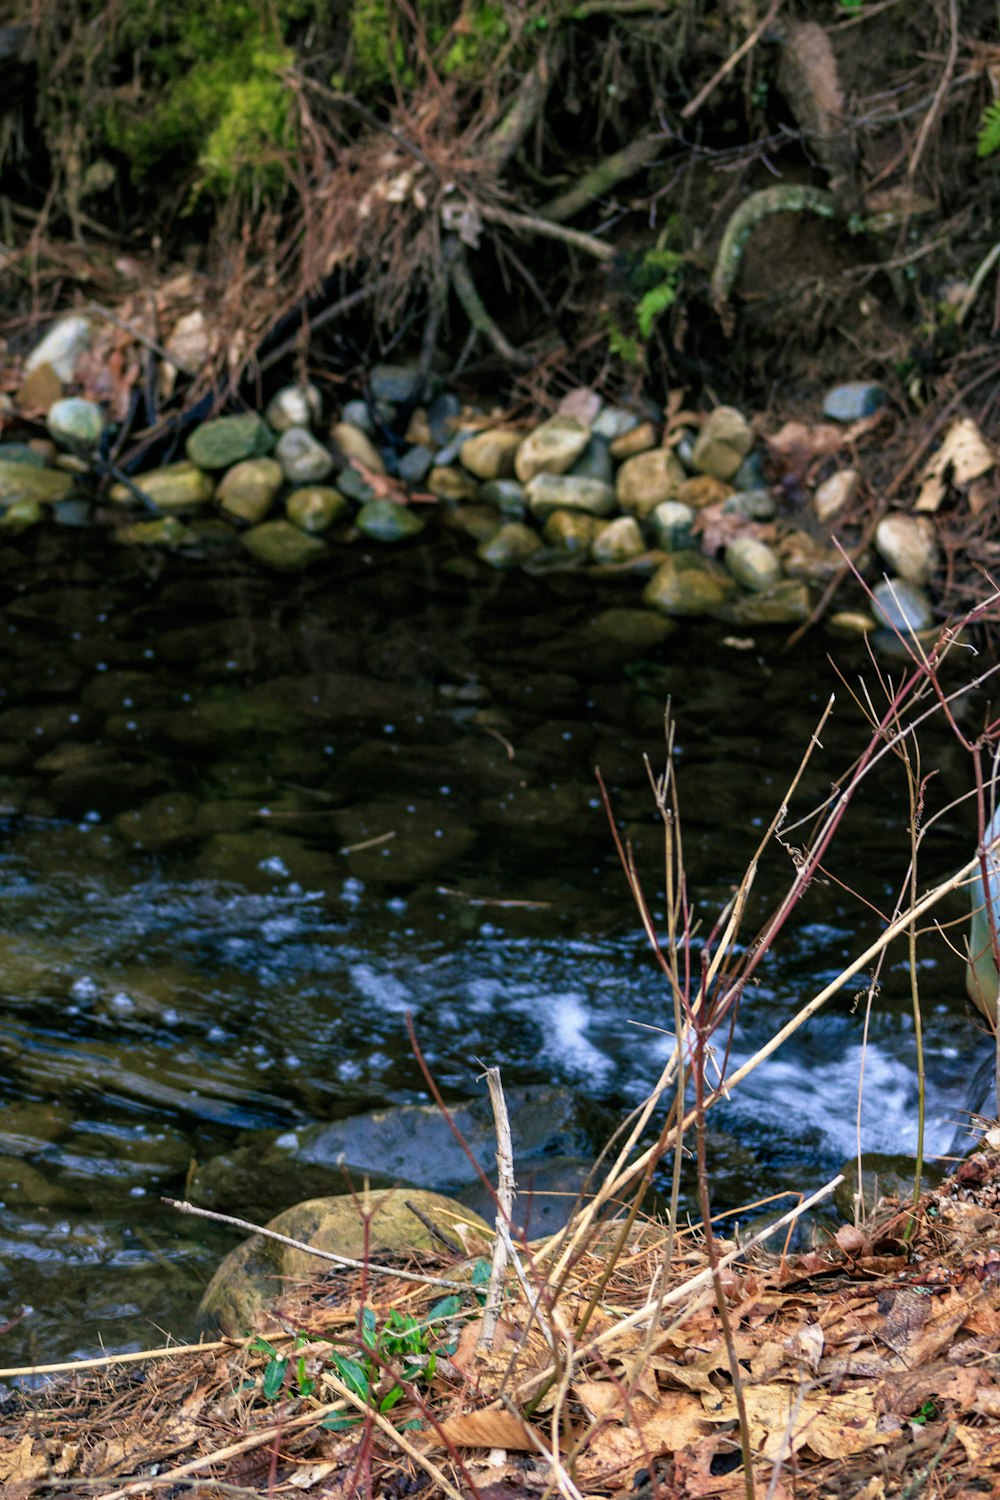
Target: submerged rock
{"x":510,"y":547}
{"x":21,"y":515}
{"x":224,"y":441}
{"x":176,"y":488}
{"x":552,"y":448}
{"x":388,"y":521}
{"x":902,"y":605}
{"x":302,"y":457}
{"x":686,"y":584}
{"x":448,"y":482}
{"x":785,"y":603}
{"x":247,"y":490}
{"x":316,"y":508}
{"x":282,"y":546}
{"x":164,"y":531}
{"x":21,"y":481}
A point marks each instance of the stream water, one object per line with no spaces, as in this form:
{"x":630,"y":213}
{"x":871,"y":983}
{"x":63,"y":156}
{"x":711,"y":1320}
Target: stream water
{"x":249,"y":823}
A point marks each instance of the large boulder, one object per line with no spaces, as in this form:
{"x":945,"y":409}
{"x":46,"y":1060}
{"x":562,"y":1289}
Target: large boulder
{"x":251,"y":1279}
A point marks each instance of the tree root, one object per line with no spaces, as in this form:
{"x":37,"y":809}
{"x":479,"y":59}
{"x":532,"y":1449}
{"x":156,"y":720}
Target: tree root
{"x":788,"y":198}
{"x":475,"y":309}
{"x":601,"y":179}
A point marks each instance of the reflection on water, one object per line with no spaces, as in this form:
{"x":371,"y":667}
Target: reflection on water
{"x":250,"y":825}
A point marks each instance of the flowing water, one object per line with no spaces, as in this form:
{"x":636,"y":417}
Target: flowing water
{"x":249,"y":824}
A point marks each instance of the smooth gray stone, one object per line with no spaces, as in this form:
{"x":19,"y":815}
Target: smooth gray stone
{"x":350,"y":483}
{"x":388,"y":521}
{"x":75,"y":424}
{"x":359,"y":415}
{"x":854,"y":400}
{"x":753,"y":505}
{"x":395,"y":384}
{"x":440,"y":415}
{"x":415,"y":464}
{"x":595,"y":462}
{"x":612,"y":422}
{"x":506,"y":494}
{"x":902,"y":605}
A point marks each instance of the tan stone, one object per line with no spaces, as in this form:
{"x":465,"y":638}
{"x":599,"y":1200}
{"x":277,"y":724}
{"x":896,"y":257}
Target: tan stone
{"x":490,"y":454}
{"x":637,"y":440}
{"x":355,"y":444}
{"x":645,"y":481}
{"x":723,"y":443}
{"x":552,"y":448}
{"x":448,"y":482}
{"x":703,"y":490}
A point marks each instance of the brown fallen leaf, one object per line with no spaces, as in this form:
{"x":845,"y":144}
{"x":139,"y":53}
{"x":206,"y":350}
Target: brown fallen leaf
{"x":963,"y":456}
{"x":672,"y":1423}
{"x":981,"y":1444}
{"x":20,"y":1463}
{"x":784,"y":1419}
{"x":486,"y":1429}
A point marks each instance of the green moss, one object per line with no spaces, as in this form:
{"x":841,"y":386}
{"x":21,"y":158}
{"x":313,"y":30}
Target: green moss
{"x":377,"y":49}
{"x":479,"y":35}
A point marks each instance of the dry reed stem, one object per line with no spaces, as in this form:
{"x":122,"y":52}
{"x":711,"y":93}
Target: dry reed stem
{"x":505,"y":1207}
{"x":76,"y":1366}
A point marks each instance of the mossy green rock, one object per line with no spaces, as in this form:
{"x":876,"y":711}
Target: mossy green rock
{"x":226,"y":440}
{"x":510,"y":547}
{"x":21,"y":481}
{"x":166,"y":531}
{"x":252,"y":1277}
{"x":685,"y":585}
{"x":176,"y":488}
{"x":316,"y":508}
{"x":571,"y":530}
{"x":282,"y":546}
{"x":388,"y":521}
{"x":618,"y":541}
{"x":247,"y":490}
{"x":75,"y":424}
{"x":787,"y":603}
{"x":21,"y":516}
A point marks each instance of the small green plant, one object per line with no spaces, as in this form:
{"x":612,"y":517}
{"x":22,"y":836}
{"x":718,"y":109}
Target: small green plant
{"x":665,"y":266}
{"x":403,"y":1349}
{"x":988,"y":137}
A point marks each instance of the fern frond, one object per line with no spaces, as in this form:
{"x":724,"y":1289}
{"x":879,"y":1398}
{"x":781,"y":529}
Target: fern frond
{"x":988,"y":138}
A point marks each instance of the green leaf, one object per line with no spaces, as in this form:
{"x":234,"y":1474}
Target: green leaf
{"x":368,"y":1327}
{"x":388,"y":1402}
{"x":988,"y":138}
{"x":352,"y":1374}
{"x":481,"y":1273}
{"x":261,"y":1346}
{"x":274,"y":1377}
{"x":446,"y":1308}
{"x":339,"y":1424}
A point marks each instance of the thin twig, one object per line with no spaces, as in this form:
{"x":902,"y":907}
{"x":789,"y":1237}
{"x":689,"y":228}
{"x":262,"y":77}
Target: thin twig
{"x":693,"y":105}
{"x":504,"y":1210}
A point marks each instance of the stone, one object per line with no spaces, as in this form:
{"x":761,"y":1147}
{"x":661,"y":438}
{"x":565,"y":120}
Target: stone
{"x":303,"y":458}
{"x":418,"y":430}
{"x":902,"y":606}
{"x":388,"y":521}
{"x":752,"y":563}
{"x":490,"y":454}
{"x":415,"y":464}
{"x":355,"y":444}
{"x":722,"y":444}
{"x":23,"y":482}
{"x":618,"y":541}
{"x":802,"y":556}
{"x":613,"y":422}
{"x":582,"y":403}
{"x":548,"y":492}
{"x":442,"y":416}
{"x":750,"y":474}
{"x":854,"y":400}
{"x":703,"y":490}
{"x":646,"y":480}
{"x":61,"y":346}
{"x":358,"y":414}
{"x":671,"y":522}
{"x":685,"y":584}
{"x":595,"y":462}
{"x":249,"y":1280}
{"x":635,"y":439}
{"x":450,"y":483}
{"x":479,"y":522}
{"x":752,"y":505}
{"x":848,"y":622}
{"x":247,"y":490}
{"x":223,"y":442}
{"x":507,"y":495}
{"x":21,"y":453}
{"x":552,"y":448}
{"x":282,"y":546}
{"x":836,"y":494}
{"x":316,"y":507}
{"x":164,"y":531}
{"x":395,"y":384}
{"x":176,"y":488}
{"x":510,"y":547}
{"x":73,"y":513}
{"x":908,"y":547}
{"x":75,"y":424}
{"x":21,"y":515}
{"x":294,"y":406}
{"x":571,"y":531}
{"x":165,"y":822}
{"x":786,"y":603}
{"x":351,"y":483}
